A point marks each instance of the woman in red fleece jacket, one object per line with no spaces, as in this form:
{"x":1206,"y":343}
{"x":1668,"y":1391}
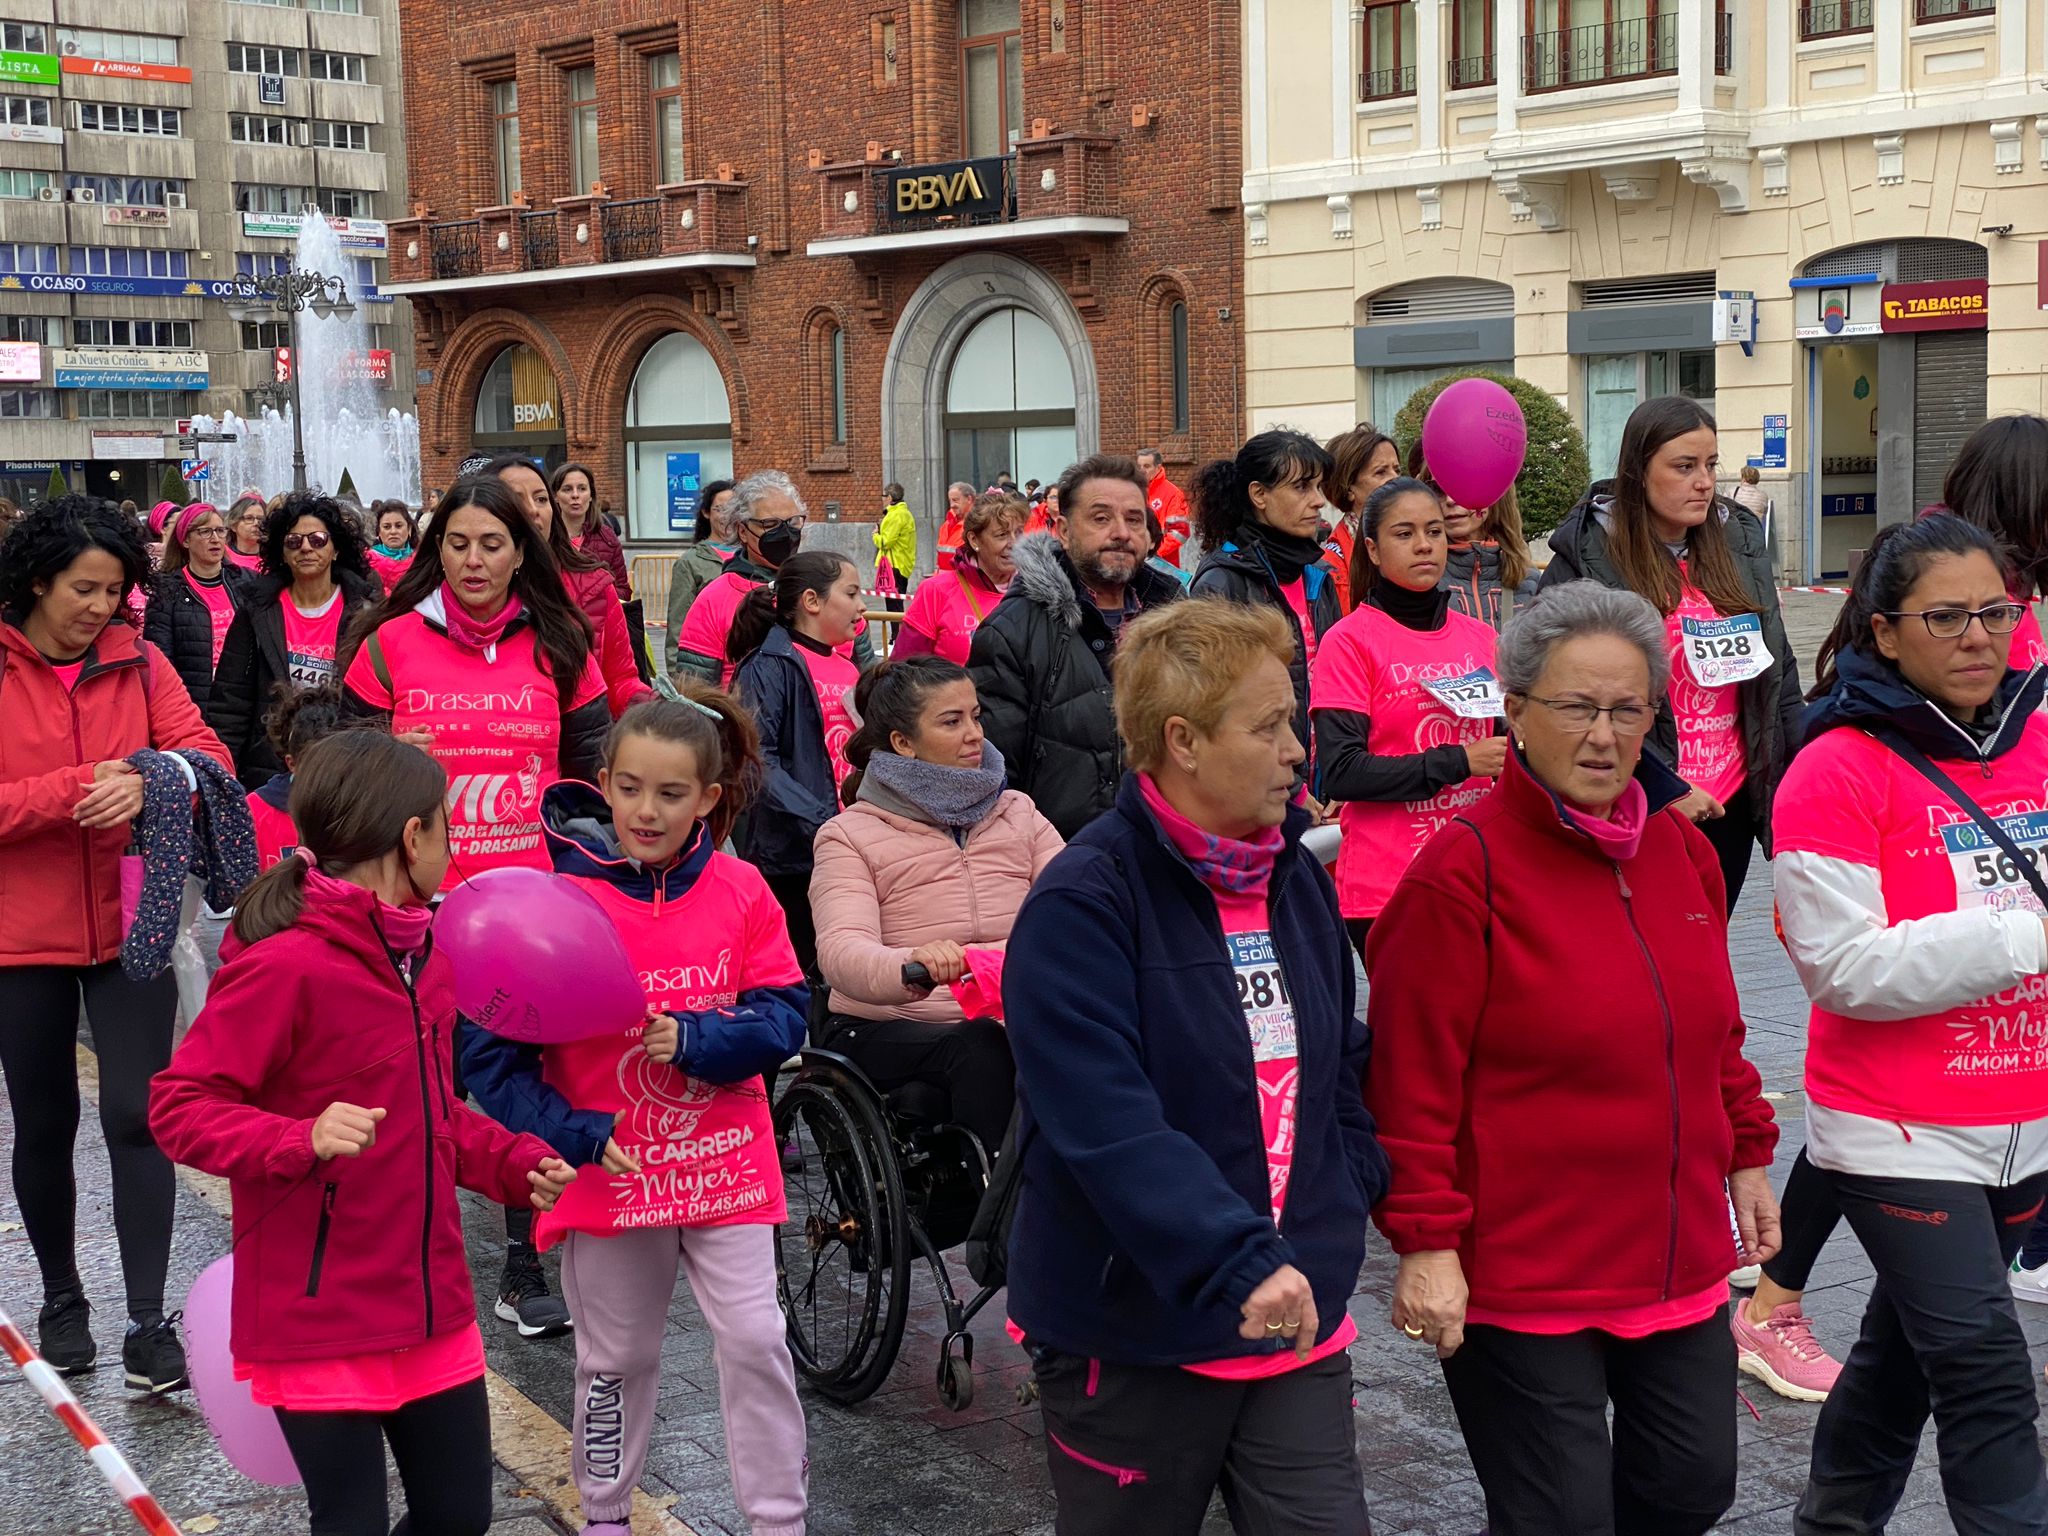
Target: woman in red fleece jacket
{"x":1568,"y":1112}
{"x":316,"y":1080}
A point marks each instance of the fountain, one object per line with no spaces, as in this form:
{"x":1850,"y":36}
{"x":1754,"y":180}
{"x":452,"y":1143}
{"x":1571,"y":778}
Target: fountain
{"x":344,"y":430}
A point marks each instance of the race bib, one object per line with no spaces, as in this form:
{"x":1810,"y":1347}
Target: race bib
{"x":1262,"y":994}
{"x":1474,"y":696}
{"x":1985,"y":873}
{"x":1722,"y":651}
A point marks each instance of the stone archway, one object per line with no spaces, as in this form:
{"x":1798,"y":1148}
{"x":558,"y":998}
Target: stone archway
{"x":468,"y":354}
{"x":939,"y":314}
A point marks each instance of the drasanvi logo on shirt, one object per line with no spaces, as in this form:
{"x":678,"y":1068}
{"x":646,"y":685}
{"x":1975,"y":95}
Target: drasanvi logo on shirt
{"x":424,"y":701}
{"x":1402,"y":673}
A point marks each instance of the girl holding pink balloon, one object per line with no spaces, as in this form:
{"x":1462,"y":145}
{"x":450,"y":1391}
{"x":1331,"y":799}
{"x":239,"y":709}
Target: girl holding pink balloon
{"x":668,"y":1117}
{"x":316,"y":1081}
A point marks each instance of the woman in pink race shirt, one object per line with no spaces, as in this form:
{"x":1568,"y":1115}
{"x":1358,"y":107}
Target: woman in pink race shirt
{"x":1910,"y":894}
{"x":1657,"y":529}
{"x":950,"y":605}
{"x":1406,"y":707}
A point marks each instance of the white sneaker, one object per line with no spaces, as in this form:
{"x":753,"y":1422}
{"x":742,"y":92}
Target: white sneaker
{"x":1745,"y":1279}
{"x":2029,"y":1284}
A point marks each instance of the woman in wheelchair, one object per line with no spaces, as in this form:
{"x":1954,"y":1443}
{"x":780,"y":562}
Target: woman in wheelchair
{"x":927,"y":866}
{"x":1196,"y":1161}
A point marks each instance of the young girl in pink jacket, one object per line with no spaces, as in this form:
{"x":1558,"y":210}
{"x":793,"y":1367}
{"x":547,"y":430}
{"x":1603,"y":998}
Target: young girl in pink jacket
{"x":316,"y":1081}
{"x":668,"y":1120}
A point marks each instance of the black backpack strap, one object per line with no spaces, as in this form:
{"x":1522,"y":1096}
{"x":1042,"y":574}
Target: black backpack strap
{"x":1932,"y":772}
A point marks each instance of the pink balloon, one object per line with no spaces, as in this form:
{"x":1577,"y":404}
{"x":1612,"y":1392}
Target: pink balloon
{"x":536,"y":959}
{"x":1474,"y":440}
{"x":246,"y":1432}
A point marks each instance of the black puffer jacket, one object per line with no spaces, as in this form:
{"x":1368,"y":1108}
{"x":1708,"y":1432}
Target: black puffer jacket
{"x":1041,"y":663}
{"x":1770,"y":702}
{"x":178,"y":623}
{"x":1242,"y":573}
{"x":252,"y":663}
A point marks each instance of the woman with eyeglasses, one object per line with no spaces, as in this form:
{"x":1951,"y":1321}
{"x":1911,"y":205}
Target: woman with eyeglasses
{"x":1658,"y":529}
{"x":1552,"y":1003}
{"x":1910,"y":832}
{"x":289,"y":631}
{"x":193,"y":598}
{"x":245,"y":531}
{"x":1404,"y":702}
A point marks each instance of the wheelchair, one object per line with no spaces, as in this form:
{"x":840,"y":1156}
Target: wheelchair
{"x":874,"y":1182}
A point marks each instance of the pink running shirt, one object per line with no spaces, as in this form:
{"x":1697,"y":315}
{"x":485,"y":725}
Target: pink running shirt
{"x":832,"y":680}
{"x":220,"y":608}
{"x":311,"y":640}
{"x":1710,"y":752}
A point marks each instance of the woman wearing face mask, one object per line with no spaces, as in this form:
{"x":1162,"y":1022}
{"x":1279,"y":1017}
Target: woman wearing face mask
{"x":586,"y":582}
{"x":289,"y":631}
{"x":1909,"y":893}
{"x":702,"y":562}
{"x":1260,"y":517}
{"x":1407,"y":706}
{"x":193,"y":598}
{"x":927,"y":865}
{"x":950,"y":606}
{"x":1657,"y":529}
{"x":1361,"y":461}
{"x":575,"y":494}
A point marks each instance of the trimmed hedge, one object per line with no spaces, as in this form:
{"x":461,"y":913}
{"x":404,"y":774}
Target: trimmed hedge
{"x":1555,"y":474}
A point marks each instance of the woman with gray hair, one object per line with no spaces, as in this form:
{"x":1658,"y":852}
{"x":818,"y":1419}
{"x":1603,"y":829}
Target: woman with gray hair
{"x":1593,"y":1026}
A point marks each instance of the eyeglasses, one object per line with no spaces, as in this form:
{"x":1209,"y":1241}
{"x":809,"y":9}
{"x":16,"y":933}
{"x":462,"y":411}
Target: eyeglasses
{"x":206,"y":533}
{"x":1577,"y":715}
{"x":298,"y":541}
{"x":763,"y":524}
{"x":1954,"y":623}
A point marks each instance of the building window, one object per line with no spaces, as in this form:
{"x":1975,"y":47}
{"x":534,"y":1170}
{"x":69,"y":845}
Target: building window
{"x":337,"y":204}
{"x":130,"y":191}
{"x":505,"y":115}
{"x":991,"y":75}
{"x":352,"y":67}
{"x":121,"y":47}
{"x":250,"y":59}
{"x":677,"y":418}
{"x":135,"y":404}
{"x":581,"y":85}
{"x":29,"y":258}
{"x":148,"y":122}
{"x":346,"y":7}
{"x":25,"y":111}
{"x":124,"y":261}
{"x":263,"y":335}
{"x":328,"y":135}
{"x":268,"y":2}
{"x":1389,"y":69}
{"x":24,"y":183}
{"x":47,"y":329}
{"x":1617,"y":383}
{"x":1833,"y":18}
{"x":1177,"y":325}
{"x":1472,"y":43}
{"x":24,"y":37}
{"x":28,"y":404}
{"x":1569,"y":43}
{"x":261,"y":263}
{"x":255,"y":128}
{"x":1949,"y":10}
{"x":131,"y":333}
{"x":837,"y":385}
{"x":665,"y":82}
{"x":264,"y":197}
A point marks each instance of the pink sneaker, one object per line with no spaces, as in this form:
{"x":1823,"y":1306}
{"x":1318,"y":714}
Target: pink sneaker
{"x":1783,"y":1354}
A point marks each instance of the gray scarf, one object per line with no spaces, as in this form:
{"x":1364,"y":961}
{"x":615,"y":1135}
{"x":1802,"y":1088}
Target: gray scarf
{"x":955,"y":798}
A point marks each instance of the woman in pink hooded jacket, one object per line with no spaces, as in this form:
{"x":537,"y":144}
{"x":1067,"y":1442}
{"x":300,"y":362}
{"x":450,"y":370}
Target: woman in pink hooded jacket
{"x":927,"y":866}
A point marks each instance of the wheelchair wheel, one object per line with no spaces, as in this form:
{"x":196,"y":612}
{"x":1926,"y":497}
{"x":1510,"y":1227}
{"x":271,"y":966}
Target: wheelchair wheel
{"x":843,"y":1256}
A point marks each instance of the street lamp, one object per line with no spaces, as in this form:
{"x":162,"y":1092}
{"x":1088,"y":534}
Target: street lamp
{"x":290,"y":293}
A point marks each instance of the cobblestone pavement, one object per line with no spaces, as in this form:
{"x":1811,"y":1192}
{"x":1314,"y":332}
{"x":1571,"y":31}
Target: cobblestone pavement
{"x":900,"y":1464}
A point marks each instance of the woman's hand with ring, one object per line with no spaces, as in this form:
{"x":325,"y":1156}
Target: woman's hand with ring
{"x":1283,"y":1307}
{"x":1429,"y":1299}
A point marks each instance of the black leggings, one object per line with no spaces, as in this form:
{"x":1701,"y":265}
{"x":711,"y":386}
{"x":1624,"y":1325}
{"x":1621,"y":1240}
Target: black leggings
{"x":1733,"y":836}
{"x":969,"y":1061}
{"x":1808,"y":1214}
{"x":442,"y":1445}
{"x":1359,"y":928}
{"x":131,"y":1032}
{"x":1940,"y":1336}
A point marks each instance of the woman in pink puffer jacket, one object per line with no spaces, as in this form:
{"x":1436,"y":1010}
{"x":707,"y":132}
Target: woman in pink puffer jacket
{"x":928,"y":866}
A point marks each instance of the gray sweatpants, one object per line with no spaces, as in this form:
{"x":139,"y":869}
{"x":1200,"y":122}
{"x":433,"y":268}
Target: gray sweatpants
{"x":618,"y":1290}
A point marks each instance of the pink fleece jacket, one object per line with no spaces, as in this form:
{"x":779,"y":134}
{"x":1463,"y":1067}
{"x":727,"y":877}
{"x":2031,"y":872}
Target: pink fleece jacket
{"x":883,"y":885}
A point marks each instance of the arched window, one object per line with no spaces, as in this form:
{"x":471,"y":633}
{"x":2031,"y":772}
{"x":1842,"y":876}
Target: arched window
{"x":678,"y":435}
{"x":1009,"y":401}
{"x":1166,"y":368}
{"x":1178,"y":326}
{"x":519,"y":408}
{"x":825,"y":390}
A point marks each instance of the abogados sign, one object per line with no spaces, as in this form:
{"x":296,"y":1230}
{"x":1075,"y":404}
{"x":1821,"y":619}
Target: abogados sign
{"x":954,"y":189}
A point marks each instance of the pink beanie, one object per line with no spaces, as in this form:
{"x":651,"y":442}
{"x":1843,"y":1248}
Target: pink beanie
{"x":187,"y":516}
{"x":159,"y":515}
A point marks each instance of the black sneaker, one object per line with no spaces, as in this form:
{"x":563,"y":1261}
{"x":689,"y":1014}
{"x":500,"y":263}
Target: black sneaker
{"x":524,"y":1297}
{"x":153,"y":1357}
{"x":64,"y":1335}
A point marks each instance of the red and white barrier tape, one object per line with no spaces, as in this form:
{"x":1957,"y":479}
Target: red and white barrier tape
{"x":1823,"y":591}
{"x":113,"y":1466}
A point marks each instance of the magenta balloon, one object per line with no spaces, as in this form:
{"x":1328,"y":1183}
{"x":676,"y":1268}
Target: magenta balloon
{"x":536,"y":959}
{"x":1474,"y":440}
{"x":246,"y":1433}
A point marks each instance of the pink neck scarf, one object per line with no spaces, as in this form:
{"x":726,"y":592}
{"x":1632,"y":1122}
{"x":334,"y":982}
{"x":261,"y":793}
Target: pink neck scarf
{"x":465,"y":628}
{"x":1226,"y":864}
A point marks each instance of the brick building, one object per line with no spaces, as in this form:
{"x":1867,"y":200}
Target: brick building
{"x":913,"y":240}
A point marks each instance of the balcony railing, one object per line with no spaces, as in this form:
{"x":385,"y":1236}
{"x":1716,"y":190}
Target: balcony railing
{"x":1724,"y":43}
{"x":1066,"y":177}
{"x":1005,"y":212}
{"x":632,"y":229}
{"x":1475,"y":70}
{"x":457,"y":249}
{"x":1833,"y":18}
{"x":1386,"y":84}
{"x":538,"y":238}
{"x":1952,"y":10}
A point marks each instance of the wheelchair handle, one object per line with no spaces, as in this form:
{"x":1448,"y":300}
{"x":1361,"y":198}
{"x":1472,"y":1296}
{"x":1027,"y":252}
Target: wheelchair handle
{"x":916,"y":978}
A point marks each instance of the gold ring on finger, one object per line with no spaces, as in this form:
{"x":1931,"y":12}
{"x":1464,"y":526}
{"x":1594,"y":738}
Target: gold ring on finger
{"x":1413,"y":1333}
{"x":1274,"y":1327}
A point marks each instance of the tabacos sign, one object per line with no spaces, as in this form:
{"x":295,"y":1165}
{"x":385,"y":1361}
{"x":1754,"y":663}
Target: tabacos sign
{"x":954,"y":189}
{"x":1959,"y":306}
